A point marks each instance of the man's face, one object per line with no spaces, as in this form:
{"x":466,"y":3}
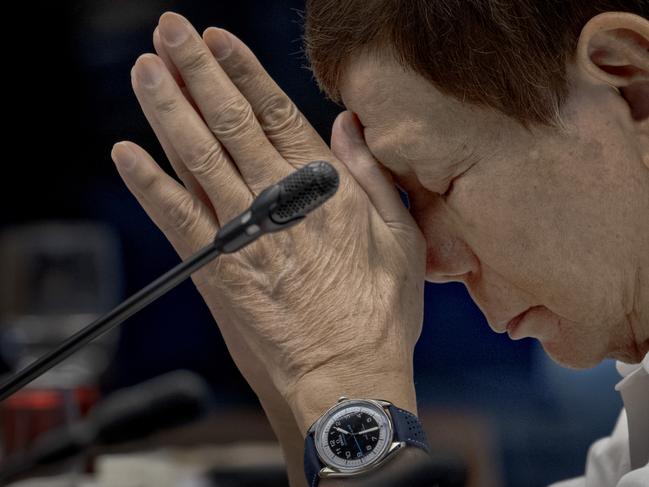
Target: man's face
{"x":549,"y":221}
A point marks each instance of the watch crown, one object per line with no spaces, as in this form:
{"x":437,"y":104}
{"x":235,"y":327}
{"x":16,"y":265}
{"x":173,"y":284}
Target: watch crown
{"x":342,"y":398}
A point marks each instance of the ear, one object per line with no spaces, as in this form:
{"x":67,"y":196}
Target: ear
{"x":613,"y":48}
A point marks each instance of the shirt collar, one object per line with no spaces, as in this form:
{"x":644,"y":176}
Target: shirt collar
{"x":626,"y":369}
{"x":634,"y":388}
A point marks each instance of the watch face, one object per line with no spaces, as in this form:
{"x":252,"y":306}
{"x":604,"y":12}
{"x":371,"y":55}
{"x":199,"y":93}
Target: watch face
{"x":353,"y":435}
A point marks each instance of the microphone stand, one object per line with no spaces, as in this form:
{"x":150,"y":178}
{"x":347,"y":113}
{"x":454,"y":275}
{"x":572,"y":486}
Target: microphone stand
{"x":277,"y":208}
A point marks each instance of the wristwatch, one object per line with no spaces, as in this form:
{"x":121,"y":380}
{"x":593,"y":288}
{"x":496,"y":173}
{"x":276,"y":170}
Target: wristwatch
{"x":355,"y":436}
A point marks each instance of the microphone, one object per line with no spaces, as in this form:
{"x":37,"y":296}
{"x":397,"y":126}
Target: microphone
{"x":280,"y":206}
{"x":277,"y":208}
{"x":136,"y":412}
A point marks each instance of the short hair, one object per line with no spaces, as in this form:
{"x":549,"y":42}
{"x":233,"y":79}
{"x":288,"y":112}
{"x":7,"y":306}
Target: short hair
{"x":510,"y":55}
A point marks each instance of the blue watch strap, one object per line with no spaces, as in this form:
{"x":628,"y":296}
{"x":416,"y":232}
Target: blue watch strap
{"x":406,"y":428}
{"x":312,"y":463}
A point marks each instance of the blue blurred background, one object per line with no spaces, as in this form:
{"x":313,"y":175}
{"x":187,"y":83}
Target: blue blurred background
{"x":68,"y":93}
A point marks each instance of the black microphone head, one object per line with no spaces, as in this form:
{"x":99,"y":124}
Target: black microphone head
{"x":129,"y":414}
{"x":305,"y":190}
{"x":160,"y":403}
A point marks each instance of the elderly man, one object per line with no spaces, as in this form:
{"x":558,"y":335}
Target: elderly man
{"x":519,"y":131}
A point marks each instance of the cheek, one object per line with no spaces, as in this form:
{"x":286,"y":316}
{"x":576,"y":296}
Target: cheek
{"x":543,"y":225}
{"x":576,"y":346}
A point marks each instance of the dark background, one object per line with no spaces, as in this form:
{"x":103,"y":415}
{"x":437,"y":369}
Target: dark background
{"x":68,"y":99}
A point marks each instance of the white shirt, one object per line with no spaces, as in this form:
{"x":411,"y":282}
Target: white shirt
{"x":622,"y":459}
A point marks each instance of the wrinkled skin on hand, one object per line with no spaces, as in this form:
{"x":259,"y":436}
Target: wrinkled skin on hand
{"x":341,"y":294}
{"x":332,"y":292}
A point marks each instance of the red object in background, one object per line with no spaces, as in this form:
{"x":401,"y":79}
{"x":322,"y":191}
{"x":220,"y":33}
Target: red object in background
{"x":29,"y":413}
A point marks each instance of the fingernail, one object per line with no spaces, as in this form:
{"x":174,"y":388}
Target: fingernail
{"x":148,"y":71}
{"x":219,"y":42}
{"x":174,"y":29}
{"x":123,"y":156}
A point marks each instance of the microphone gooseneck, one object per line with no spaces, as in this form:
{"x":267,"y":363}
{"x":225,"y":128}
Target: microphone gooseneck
{"x":277,"y":208}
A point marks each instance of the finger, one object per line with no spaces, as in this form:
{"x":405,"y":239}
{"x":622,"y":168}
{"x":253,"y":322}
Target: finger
{"x":285,"y":126}
{"x":196,"y":146}
{"x":348,"y":145}
{"x":177,"y":164}
{"x":181,"y":216}
{"x":226,"y":112}
{"x":164,"y":55}
{"x":182,"y":247}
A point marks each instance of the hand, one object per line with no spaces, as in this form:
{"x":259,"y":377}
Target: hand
{"x":295,"y":307}
{"x":369,"y":430}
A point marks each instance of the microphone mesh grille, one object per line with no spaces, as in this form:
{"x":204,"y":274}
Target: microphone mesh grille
{"x":304,"y":190}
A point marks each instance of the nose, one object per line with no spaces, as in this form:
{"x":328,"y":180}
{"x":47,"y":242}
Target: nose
{"x":448,"y":257}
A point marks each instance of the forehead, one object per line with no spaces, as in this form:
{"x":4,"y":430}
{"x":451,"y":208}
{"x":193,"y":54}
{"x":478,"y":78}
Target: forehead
{"x":372,"y":83}
{"x":410,"y":125}
{"x":391,"y":99}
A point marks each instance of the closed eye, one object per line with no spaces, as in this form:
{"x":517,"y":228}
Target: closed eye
{"x":451,"y":184}
{"x":449,"y":190}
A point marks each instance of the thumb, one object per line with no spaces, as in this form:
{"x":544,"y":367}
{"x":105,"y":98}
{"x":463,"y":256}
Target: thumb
{"x":348,"y":144}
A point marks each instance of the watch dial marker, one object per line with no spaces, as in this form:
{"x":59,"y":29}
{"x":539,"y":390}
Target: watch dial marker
{"x":353,"y":436}
{"x":357,"y":440}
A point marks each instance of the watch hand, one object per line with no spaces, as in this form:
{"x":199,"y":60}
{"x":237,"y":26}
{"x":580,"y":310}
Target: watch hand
{"x":355,"y":440}
{"x":341,"y":430}
{"x":369,"y":430}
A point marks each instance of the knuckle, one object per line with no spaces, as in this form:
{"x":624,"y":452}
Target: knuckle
{"x":166,"y":106}
{"x":195,"y":61}
{"x":239,"y":70}
{"x":233,"y":118}
{"x":183,"y":212}
{"x":207,"y":162}
{"x":149,"y":183}
{"x":279,"y":115}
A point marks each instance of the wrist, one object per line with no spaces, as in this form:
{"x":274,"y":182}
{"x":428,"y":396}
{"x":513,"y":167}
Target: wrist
{"x":321,"y":388}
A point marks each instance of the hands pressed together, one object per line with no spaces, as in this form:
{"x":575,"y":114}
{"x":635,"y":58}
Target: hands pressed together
{"x":332,"y":306}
